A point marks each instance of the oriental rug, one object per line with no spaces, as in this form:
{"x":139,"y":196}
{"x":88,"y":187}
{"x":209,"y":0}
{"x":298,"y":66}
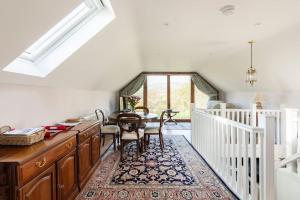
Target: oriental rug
{"x":176,"y":173}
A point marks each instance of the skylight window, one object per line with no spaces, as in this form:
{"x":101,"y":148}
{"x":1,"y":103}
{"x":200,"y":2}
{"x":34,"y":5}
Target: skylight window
{"x":63,"y":39}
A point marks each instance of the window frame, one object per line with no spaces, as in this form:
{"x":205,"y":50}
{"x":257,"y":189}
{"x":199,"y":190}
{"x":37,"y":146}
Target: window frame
{"x":169,"y":74}
{"x":52,"y":38}
{"x":59,"y":43}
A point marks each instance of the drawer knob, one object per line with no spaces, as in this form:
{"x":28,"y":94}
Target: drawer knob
{"x":69,"y":145}
{"x":41,"y":163}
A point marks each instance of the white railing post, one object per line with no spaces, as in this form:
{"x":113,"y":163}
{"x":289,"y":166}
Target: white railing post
{"x":291,"y":132}
{"x":268,"y":124}
{"x":283,"y":125}
{"x":253,"y":115}
{"x":223,"y":109}
{"x":298,"y":147}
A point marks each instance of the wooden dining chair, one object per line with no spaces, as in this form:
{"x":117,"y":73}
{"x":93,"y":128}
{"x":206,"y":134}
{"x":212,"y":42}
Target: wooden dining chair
{"x":155,"y":130}
{"x":108,"y":129}
{"x":131,"y":132}
{"x":145,"y":111}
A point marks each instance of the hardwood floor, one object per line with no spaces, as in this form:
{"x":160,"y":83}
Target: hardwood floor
{"x":186,"y":133}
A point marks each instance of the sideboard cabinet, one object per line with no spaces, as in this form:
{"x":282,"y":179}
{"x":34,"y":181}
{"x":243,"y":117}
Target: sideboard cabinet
{"x":51,"y":169}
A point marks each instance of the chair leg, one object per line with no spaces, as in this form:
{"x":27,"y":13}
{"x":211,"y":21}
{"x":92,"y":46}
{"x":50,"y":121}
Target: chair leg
{"x":142,"y":144}
{"x":145,"y":142}
{"x":161,"y":141}
{"x":114,"y":141}
{"x":122,"y":146}
{"x":118,"y":138}
{"x":103,"y":140}
{"x":138,"y":149}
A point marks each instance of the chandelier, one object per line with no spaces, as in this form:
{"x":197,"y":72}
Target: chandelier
{"x":251,"y":72}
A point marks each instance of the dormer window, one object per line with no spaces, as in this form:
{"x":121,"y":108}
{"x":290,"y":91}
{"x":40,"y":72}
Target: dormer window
{"x":61,"y":41}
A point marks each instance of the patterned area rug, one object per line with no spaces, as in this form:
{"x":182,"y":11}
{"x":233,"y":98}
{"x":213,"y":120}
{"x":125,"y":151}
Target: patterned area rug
{"x":173,"y":126}
{"x":176,"y":173}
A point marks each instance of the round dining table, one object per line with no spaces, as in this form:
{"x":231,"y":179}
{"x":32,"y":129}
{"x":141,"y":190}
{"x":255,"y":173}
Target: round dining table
{"x":145,"y":117}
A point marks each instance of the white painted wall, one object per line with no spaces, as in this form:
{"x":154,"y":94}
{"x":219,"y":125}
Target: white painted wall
{"x":270,"y":100}
{"x":27,"y":106}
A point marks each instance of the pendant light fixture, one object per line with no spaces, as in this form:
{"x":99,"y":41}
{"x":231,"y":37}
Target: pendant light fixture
{"x":251,"y":72}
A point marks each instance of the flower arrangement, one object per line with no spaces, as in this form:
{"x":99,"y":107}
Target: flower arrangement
{"x":133,"y":100}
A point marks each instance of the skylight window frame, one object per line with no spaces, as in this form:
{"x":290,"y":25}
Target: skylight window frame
{"x":101,"y":14}
{"x":42,"y":49}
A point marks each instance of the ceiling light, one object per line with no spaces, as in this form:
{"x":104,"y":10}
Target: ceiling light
{"x":228,"y":9}
{"x":251,"y":72}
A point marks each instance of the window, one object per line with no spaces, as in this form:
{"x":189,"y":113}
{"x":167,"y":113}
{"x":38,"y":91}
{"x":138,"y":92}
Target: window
{"x":180,"y":86}
{"x":157,"y":93}
{"x":170,"y":90}
{"x":63,"y":39}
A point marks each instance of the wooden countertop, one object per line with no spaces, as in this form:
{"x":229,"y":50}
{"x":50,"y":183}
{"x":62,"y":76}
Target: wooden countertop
{"x":85,"y":125}
{"x":21,"y":154}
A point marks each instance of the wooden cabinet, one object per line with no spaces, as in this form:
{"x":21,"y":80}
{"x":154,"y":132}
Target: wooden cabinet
{"x":95,"y":148}
{"x":85,"y":160}
{"x":41,"y":187}
{"x":88,"y":152}
{"x":51,"y":169}
{"x":40,"y":163}
{"x":67,"y":184}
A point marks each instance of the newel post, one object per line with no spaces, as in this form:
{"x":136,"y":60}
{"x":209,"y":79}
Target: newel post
{"x":289,"y":132}
{"x":253,"y":115}
{"x":223,"y":109}
{"x":268,"y":123}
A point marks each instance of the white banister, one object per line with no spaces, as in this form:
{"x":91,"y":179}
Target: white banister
{"x":232,"y":149}
{"x":289,"y":160}
{"x":253,"y":115}
{"x":290,"y":131}
{"x":268,"y":124}
{"x":223,"y":109}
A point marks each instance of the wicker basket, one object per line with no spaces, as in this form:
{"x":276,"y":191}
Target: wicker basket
{"x":22,"y":140}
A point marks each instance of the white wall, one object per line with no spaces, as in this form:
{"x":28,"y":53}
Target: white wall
{"x":27,"y":106}
{"x":270,"y":100}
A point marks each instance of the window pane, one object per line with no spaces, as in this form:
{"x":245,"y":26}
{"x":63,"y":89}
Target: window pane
{"x":181,"y":95}
{"x":140,"y":93}
{"x":201,"y":99}
{"x":157,"y":93}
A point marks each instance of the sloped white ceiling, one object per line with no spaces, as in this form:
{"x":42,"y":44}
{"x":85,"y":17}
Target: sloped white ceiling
{"x":168,"y":35}
{"x":193,"y":35}
{"x":107,"y":62}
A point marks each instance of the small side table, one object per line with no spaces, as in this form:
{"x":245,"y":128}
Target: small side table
{"x":170,"y":114}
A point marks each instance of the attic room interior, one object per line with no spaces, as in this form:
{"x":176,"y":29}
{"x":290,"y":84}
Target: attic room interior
{"x":139,"y":99}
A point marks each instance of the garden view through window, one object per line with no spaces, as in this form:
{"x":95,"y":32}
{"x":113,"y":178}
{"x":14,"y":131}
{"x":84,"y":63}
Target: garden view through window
{"x":180,"y":87}
{"x":170,"y":91}
{"x":157,"y":93}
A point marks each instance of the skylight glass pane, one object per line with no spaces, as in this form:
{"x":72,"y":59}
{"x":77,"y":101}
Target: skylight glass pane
{"x":57,"y":33}
{"x":61,"y":41}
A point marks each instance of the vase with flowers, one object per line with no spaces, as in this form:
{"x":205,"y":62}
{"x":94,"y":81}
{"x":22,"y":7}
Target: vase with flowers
{"x":133,"y":101}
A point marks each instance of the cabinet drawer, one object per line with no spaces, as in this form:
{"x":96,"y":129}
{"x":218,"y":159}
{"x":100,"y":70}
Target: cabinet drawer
{"x":89,"y":132}
{"x":42,"y":187}
{"x":42,"y":162}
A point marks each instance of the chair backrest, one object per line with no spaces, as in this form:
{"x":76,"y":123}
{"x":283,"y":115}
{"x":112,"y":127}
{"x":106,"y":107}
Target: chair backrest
{"x":133,"y":119}
{"x":161,"y":120}
{"x":100,"y":115}
{"x":145,"y":109}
